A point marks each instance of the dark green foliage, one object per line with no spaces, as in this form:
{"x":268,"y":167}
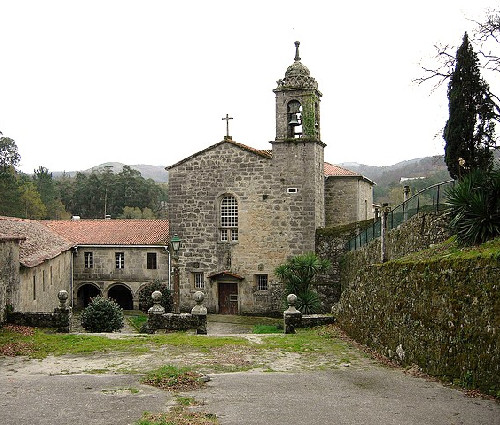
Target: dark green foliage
{"x":145,"y":300}
{"x":298,"y":275}
{"x":104,"y":192}
{"x":470,"y":130}
{"x":9,"y":156}
{"x":475,"y":203}
{"x":102,"y":315}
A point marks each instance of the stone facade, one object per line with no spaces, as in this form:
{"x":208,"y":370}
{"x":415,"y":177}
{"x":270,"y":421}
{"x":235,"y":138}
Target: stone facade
{"x":9,"y":272}
{"x":106,"y":278}
{"x":353,"y":191}
{"x":40,"y":285}
{"x":278,"y":200}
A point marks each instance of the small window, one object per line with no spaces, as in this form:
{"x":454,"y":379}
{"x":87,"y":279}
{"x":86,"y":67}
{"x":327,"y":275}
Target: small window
{"x":120,"y":260}
{"x":34,"y":287}
{"x":292,"y":190}
{"x":199,"y":281}
{"x":89,"y":260}
{"x":151,"y":260}
{"x":262,"y":282}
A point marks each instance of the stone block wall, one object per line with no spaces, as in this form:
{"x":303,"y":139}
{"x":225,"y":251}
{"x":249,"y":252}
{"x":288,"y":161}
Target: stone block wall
{"x":40,"y":285}
{"x":440,"y":315}
{"x":330,"y":245}
{"x":9,"y":272}
{"x":347,"y":200}
{"x":273,"y":223}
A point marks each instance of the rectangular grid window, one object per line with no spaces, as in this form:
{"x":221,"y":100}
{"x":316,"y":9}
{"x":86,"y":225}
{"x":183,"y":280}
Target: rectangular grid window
{"x":151,"y":260}
{"x":262,"y":282}
{"x":229,"y":212}
{"x":199,"y":282}
{"x":120,"y":260}
{"x":229,"y":219}
{"x":89,"y":260}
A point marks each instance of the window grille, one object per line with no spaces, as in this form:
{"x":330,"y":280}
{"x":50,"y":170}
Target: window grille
{"x":120,"y":260}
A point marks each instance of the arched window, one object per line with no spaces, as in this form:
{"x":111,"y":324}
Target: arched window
{"x":294,"y":119}
{"x":228,"y":219}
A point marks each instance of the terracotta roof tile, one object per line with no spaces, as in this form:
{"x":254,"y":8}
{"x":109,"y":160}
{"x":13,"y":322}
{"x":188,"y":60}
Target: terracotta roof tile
{"x":40,"y":243}
{"x":112,"y":232}
{"x":336,"y":170}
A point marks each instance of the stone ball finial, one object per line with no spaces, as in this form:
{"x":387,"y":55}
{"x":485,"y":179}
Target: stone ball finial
{"x":198,"y":297}
{"x":157,"y":308}
{"x":63,"y":297}
{"x":156,"y":295}
{"x":291,"y":299}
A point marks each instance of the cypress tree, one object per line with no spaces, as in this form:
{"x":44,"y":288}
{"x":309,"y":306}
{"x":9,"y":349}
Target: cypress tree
{"x":470,"y":130}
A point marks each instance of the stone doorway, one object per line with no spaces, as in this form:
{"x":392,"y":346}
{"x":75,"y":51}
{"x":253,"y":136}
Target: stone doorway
{"x":85,"y":294}
{"x":122,"y":295}
{"x":228,"y":298}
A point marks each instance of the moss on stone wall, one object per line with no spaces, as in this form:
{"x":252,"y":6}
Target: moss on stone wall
{"x":442,"y":315}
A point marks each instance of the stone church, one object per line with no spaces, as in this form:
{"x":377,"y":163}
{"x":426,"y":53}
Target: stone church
{"x":240,"y":211}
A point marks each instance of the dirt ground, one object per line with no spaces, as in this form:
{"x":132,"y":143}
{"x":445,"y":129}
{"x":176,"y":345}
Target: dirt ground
{"x":247,"y":386}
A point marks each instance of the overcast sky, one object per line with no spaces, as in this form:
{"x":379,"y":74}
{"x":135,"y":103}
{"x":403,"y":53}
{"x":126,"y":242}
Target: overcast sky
{"x":148,"y":82}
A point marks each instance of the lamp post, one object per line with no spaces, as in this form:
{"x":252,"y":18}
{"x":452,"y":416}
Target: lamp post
{"x":175,"y":244}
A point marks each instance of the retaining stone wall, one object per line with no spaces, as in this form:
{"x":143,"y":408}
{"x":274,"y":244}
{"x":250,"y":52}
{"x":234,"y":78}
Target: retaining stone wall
{"x":60,"y":319}
{"x":441,"y":315}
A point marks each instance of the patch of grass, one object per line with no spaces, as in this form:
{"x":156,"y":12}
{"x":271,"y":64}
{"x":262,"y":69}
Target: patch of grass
{"x":305,"y":340}
{"x":178,"y":416}
{"x":267,"y":329}
{"x":186,"y":401}
{"x":41,"y":344}
{"x":136,"y":319}
{"x":450,"y":249}
{"x":174,"y":378}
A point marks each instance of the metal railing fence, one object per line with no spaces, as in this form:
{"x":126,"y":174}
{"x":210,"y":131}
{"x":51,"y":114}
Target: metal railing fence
{"x":430,"y":199}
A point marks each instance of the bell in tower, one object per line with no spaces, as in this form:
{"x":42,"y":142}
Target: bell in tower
{"x":297,"y":103}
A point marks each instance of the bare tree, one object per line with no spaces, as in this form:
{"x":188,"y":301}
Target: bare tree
{"x":485,"y":39}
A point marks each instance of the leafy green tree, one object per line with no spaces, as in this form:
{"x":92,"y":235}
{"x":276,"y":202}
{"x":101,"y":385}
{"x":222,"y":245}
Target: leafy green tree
{"x":49,"y":194}
{"x":31,"y":202}
{"x":10,"y":195}
{"x":298,"y":275}
{"x":470,"y":130}
{"x":9,"y":156}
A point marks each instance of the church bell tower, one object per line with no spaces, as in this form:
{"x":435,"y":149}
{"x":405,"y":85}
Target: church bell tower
{"x":298,"y":153}
{"x":297,"y":103}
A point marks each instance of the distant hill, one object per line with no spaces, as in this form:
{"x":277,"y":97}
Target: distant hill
{"x":417,"y":173}
{"x":413,"y":168}
{"x":154,"y":172}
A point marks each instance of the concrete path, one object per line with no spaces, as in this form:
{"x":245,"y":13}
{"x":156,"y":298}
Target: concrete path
{"x":359,"y":395}
{"x":344,"y":397}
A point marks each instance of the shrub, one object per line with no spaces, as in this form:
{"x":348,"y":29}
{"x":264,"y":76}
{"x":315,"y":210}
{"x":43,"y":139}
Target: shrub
{"x":102,"y":315}
{"x":475,"y":207}
{"x":298,"y":275}
{"x":145,"y":300}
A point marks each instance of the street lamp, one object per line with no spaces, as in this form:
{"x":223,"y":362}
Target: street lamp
{"x":175,"y":244}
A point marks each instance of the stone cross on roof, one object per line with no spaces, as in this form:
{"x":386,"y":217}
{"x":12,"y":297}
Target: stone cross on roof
{"x":227,"y":118}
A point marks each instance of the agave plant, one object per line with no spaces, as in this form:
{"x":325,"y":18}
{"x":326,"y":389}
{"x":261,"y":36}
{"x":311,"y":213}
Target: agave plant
{"x":475,"y":207}
{"x":298,"y":274}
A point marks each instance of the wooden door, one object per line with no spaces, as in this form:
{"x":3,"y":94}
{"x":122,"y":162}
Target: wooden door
{"x":228,"y":298}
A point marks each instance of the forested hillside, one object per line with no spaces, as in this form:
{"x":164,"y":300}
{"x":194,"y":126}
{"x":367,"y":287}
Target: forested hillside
{"x":417,"y":173}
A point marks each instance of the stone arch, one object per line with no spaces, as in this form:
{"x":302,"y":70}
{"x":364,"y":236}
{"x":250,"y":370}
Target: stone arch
{"x":122,"y":294}
{"x":85,"y":293}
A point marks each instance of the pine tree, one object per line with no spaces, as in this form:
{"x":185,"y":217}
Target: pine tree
{"x":470,"y":130}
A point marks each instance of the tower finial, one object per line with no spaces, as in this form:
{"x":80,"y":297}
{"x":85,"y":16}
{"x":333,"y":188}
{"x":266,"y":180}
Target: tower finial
{"x":297,"y":57}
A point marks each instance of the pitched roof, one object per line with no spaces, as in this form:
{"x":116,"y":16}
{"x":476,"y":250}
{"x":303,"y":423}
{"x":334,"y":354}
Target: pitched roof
{"x":336,"y":170}
{"x":112,"y":232}
{"x":266,"y":153}
{"x":39,"y":244}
